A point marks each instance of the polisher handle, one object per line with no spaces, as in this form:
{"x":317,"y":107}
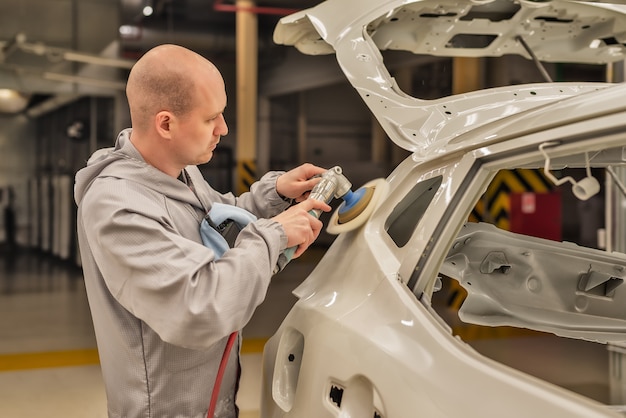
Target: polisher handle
{"x":333,"y":184}
{"x":289,"y":252}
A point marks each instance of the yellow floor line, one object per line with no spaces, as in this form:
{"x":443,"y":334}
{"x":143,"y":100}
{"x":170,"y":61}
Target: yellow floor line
{"x":25,"y":361}
{"x":68,"y":358}
{"x":253,"y":345}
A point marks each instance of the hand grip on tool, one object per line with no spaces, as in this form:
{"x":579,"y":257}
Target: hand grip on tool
{"x":332,"y":185}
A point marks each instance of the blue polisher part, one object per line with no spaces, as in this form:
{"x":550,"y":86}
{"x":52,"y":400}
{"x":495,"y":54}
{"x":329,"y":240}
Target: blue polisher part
{"x":350,"y":199}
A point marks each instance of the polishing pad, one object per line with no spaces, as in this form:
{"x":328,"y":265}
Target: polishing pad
{"x":354,"y":204}
{"x":353,"y":212}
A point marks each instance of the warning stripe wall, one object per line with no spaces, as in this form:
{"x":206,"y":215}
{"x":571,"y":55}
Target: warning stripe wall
{"x":495,"y":205}
{"x":246,"y":175}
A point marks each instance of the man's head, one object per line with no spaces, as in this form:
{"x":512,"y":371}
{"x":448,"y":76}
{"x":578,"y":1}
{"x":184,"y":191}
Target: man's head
{"x":176,"y":99}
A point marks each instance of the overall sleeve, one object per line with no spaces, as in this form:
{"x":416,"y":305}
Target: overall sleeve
{"x":262,"y":200}
{"x":165,"y":276}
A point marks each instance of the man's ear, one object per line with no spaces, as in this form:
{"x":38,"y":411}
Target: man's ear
{"x":163,"y":123}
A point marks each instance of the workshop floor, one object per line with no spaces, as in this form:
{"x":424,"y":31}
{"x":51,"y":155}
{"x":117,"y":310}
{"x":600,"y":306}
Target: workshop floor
{"x":48,"y":358}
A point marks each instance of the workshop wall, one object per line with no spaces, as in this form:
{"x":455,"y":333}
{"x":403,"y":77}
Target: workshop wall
{"x":17,"y":148}
{"x":39,"y":159}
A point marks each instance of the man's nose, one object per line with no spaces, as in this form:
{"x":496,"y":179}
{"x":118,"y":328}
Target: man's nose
{"x":221,"y":128}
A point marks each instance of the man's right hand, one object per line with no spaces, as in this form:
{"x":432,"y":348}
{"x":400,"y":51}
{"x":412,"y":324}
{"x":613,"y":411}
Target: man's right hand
{"x":301,"y":228}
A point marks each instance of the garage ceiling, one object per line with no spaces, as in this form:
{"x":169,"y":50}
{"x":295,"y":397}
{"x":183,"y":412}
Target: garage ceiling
{"x":51,"y":47}
{"x":71,"y":48}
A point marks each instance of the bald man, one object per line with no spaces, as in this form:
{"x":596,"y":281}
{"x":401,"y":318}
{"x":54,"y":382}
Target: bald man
{"x":162,"y":303}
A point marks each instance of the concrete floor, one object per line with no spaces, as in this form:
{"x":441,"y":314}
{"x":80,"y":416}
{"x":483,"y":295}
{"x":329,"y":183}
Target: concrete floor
{"x":48,"y":358}
{"x":49,"y":365}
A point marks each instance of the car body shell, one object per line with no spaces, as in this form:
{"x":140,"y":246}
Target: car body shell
{"x":363,"y":339}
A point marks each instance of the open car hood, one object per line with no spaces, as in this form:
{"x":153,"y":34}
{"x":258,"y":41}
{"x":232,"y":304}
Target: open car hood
{"x":555,"y":31}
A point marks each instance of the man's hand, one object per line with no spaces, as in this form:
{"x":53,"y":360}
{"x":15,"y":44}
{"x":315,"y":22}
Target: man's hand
{"x":301,"y":227}
{"x":297,"y":183}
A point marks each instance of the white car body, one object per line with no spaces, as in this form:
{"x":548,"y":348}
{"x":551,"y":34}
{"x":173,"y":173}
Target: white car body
{"x":363,"y":339}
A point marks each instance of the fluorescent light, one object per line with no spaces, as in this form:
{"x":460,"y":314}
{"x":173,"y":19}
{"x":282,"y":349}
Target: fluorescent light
{"x":116,"y":85}
{"x":51,"y":104}
{"x":98,"y":60}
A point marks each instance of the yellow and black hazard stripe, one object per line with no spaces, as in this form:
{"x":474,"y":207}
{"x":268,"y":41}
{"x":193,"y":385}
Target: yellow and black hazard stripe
{"x":246,"y":175}
{"x":456,"y":295}
{"x":495,"y":207}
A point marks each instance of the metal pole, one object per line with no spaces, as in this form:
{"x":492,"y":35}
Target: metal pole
{"x":538,"y":63}
{"x":247,"y":74}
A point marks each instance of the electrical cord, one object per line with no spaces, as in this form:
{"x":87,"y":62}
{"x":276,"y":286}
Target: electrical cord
{"x":220,"y":374}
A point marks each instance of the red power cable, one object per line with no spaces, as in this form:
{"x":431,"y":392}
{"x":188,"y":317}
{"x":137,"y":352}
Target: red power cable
{"x":220,"y":374}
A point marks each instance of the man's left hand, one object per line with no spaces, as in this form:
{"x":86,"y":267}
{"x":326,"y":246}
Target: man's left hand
{"x":297,"y":183}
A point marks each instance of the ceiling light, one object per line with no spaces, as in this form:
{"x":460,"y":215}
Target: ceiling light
{"x":147,"y":11}
{"x":130,"y":32}
{"x":12,"y":101}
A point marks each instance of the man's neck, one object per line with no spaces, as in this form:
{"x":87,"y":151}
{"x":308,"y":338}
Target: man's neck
{"x":154,"y":155}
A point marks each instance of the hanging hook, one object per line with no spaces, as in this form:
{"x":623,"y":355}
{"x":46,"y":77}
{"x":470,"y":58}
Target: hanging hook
{"x":584,"y":189}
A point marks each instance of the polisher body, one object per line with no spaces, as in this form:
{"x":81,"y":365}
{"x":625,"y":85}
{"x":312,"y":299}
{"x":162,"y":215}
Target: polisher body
{"x":335,"y":185}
